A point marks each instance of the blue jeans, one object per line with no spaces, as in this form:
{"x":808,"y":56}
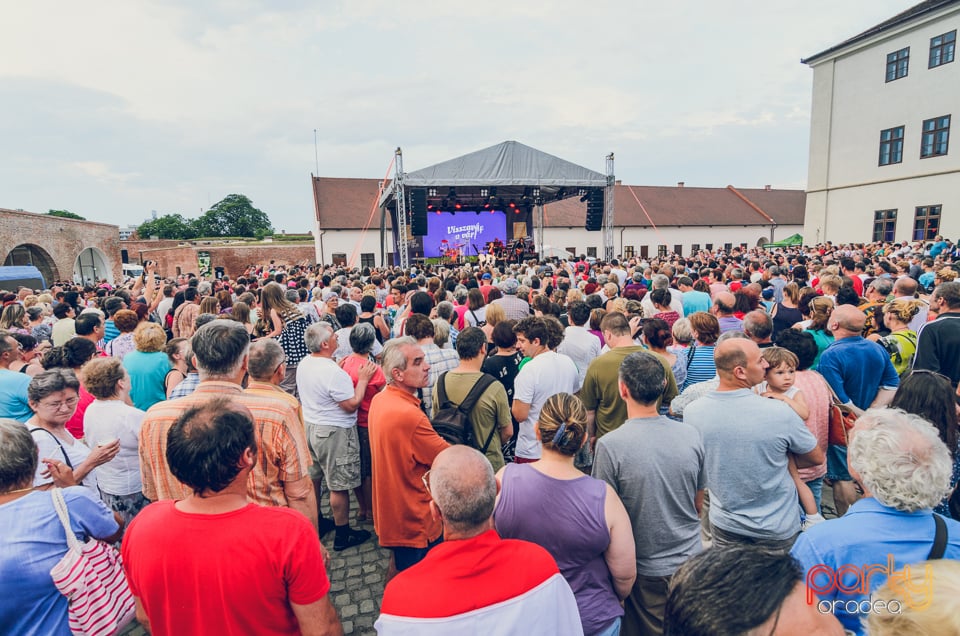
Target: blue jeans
{"x":816,"y":486}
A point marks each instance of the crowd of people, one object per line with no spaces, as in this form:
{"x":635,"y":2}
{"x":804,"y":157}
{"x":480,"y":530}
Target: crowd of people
{"x":638,"y":431}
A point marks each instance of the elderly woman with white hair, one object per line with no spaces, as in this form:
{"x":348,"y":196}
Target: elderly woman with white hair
{"x":904,"y":469}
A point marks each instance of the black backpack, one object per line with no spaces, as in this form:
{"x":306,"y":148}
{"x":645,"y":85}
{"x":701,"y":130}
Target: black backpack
{"x":452,"y":421}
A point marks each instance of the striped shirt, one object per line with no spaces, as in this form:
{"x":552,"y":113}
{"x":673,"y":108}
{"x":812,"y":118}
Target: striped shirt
{"x":701,"y":368}
{"x":282,"y":453}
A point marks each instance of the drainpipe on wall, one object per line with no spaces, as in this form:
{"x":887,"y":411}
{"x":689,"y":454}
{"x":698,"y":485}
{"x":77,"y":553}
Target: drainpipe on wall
{"x":622,"y":230}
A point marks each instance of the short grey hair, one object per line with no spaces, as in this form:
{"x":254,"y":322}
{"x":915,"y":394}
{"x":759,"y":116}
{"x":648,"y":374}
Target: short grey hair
{"x":464,"y":489}
{"x":219,"y":348}
{"x":460,"y":294}
{"x":882,"y":286}
{"x":445,"y":310}
{"x":317,"y":335}
{"x":51,"y":381}
{"x":362,"y":337}
{"x":441,"y":331}
{"x":394,"y":355}
{"x":292,"y":295}
{"x":659,"y":281}
{"x":18,"y":455}
{"x":204,"y":288}
{"x":901,"y":459}
{"x":265,"y":356}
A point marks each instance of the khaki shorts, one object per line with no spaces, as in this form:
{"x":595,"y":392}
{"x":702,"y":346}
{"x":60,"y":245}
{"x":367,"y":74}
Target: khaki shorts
{"x":337,"y":454}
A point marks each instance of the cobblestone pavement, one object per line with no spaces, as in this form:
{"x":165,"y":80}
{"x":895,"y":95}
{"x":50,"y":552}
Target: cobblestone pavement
{"x":356,"y":580}
{"x":357,"y":576}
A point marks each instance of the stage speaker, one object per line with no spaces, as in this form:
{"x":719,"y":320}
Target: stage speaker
{"x":595,"y":210}
{"x":418,"y":211}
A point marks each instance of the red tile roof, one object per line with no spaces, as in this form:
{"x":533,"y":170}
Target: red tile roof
{"x":347,"y":204}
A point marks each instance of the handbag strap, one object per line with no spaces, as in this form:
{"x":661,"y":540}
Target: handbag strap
{"x":57,"y":440}
{"x":690,"y":351}
{"x":939,"y":540}
{"x":60,"y":505}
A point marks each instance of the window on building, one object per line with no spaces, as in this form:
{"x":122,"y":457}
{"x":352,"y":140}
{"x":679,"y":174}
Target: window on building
{"x":942,"y":48}
{"x":592,"y":251}
{"x":891,"y":146}
{"x":572,"y":250}
{"x":678,"y":249}
{"x":368,"y":259}
{"x":884,"y":225}
{"x":728,"y":247}
{"x":898,"y":63}
{"x":694,"y":248}
{"x":708,"y":247}
{"x":644,"y":251}
{"x":661,"y":251}
{"x":628,"y":251}
{"x":926,"y":223}
{"x":936,"y":137}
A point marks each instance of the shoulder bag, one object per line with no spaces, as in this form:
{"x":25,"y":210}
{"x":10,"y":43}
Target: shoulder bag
{"x":91,"y":576}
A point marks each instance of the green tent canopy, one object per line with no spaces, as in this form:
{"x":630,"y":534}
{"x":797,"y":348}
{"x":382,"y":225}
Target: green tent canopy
{"x":790,"y":241}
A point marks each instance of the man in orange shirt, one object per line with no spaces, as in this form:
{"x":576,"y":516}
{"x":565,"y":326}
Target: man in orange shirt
{"x":403,"y":446}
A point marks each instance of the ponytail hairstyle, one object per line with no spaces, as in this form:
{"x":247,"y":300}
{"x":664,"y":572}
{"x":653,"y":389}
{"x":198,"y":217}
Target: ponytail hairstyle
{"x":563,"y":423}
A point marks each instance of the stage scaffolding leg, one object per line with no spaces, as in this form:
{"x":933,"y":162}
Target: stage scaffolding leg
{"x":401,"y":198}
{"x":608,"y":211}
{"x":538,"y":227}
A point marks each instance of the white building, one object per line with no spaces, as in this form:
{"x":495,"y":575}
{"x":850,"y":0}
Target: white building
{"x":648,"y":220}
{"x":127,"y":232}
{"x":881,"y":166}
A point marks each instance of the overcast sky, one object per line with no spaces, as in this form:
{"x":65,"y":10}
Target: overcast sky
{"x":114,"y":109}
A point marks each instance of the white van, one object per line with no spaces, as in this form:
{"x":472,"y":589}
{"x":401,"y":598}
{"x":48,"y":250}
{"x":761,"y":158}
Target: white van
{"x":132,"y":270}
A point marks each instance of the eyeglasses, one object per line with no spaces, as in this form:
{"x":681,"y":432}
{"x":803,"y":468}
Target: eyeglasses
{"x":425,"y":478}
{"x":56,"y":406}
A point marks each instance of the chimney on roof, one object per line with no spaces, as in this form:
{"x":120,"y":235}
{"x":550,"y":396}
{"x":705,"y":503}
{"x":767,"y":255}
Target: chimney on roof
{"x":767,"y":187}
{"x":618,"y":182}
{"x":679,"y":184}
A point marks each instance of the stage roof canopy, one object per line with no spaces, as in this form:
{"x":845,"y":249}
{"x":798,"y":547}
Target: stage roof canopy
{"x":510,"y":167}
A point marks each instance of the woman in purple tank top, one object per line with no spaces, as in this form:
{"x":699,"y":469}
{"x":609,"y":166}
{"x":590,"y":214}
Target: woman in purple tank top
{"x":578,"y":519}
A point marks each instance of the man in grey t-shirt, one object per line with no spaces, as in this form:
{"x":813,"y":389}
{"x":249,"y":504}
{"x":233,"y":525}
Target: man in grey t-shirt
{"x":746,"y":437}
{"x":656,"y":465}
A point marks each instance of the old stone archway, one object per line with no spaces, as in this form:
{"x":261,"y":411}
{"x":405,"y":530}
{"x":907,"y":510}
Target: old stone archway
{"x":92,"y":266}
{"x":30,"y":254}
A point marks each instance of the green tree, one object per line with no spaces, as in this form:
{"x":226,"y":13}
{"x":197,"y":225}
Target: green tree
{"x":66,"y":214}
{"x":168,"y":226}
{"x":234,"y":215}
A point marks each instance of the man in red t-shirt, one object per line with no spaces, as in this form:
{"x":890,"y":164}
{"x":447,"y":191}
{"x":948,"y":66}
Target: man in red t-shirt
{"x":214,"y":563}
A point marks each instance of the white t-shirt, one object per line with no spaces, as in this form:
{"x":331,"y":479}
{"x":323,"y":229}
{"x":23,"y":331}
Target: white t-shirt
{"x":112,"y":419}
{"x":322,"y":386}
{"x":47,"y":448}
{"x":582,"y":347}
{"x":475,"y":316}
{"x":546,"y":375}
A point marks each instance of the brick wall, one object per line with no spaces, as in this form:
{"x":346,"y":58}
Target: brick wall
{"x":56,"y":242}
{"x":233,"y":258}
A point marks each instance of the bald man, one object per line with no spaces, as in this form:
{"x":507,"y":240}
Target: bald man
{"x":861,"y":374}
{"x":746,"y":439}
{"x":473,"y":573}
{"x":724,"y":304}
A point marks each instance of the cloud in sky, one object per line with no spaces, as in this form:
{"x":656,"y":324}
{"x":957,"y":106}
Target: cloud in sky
{"x":112,"y":109}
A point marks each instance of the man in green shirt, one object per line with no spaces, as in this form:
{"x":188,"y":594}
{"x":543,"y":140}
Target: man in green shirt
{"x":600,"y":394}
{"x":492,"y":410}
